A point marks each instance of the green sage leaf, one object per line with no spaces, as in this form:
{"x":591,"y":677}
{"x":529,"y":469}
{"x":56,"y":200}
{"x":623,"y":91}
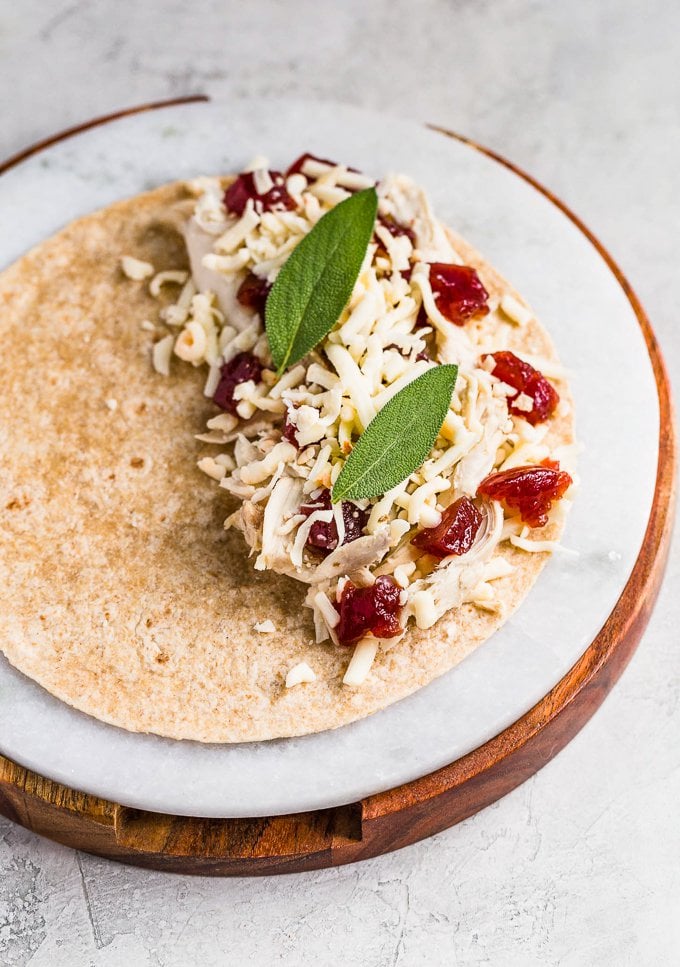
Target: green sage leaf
{"x":399,"y":437}
{"x":316,"y":280}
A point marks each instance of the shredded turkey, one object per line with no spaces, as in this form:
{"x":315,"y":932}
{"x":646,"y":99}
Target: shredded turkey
{"x":284,"y":440}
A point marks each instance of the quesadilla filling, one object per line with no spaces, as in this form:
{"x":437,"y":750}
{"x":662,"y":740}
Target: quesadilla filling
{"x":431,"y":543}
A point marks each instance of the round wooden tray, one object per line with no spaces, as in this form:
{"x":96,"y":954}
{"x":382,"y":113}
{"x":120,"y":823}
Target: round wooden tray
{"x":377,"y":824}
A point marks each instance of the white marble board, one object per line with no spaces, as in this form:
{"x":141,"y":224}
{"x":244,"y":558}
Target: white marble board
{"x":597,"y":335}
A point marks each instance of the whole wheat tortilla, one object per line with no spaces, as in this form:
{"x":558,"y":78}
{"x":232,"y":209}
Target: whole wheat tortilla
{"x":121,"y":593}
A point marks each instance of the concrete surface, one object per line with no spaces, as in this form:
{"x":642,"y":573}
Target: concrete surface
{"x":581,"y":865}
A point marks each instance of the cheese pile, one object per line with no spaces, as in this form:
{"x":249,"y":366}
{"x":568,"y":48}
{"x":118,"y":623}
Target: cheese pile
{"x":379,"y":345}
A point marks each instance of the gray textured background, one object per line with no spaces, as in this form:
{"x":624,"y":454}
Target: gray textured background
{"x":581,"y":865}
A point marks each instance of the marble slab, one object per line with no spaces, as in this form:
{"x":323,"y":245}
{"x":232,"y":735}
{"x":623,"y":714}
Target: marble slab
{"x":583,"y":306}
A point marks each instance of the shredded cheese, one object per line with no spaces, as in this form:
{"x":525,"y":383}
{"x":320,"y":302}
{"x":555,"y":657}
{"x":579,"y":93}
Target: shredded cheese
{"x":540,"y":547}
{"x":136,"y":269}
{"x":361,"y":661}
{"x":300,"y":674}
{"x":191,"y":343}
{"x":171,"y":276}
{"x":514,"y":310}
{"x":326,"y":609}
{"x":211,"y":467}
{"x":266,"y":627}
{"x":424,"y":609}
{"x":162,"y":351}
{"x":391,"y":332}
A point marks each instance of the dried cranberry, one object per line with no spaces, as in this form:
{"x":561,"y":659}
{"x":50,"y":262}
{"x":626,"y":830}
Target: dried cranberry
{"x":396,"y":228}
{"x":422,"y":318}
{"x":240,"y":369}
{"x":459,"y":291}
{"x":525,"y":379}
{"x":323,"y":536}
{"x":299,"y":163}
{"x":290,"y":431}
{"x":456,"y":532}
{"x":354,"y":519}
{"x":363,"y":610}
{"x":243,"y":188}
{"x":253,"y":293}
{"x":423,"y":354}
{"x":530,"y":490}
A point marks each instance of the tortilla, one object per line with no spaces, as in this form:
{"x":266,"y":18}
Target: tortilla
{"x":122,"y":594}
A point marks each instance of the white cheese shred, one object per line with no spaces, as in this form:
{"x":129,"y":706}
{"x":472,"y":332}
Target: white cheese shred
{"x":361,"y":662}
{"x":265,"y":627}
{"x":162,"y":351}
{"x":515,"y":310}
{"x":541,"y":547}
{"x":300,"y":674}
{"x":211,"y":467}
{"x":174,"y":276}
{"x":424,"y":609}
{"x":136,"y":269}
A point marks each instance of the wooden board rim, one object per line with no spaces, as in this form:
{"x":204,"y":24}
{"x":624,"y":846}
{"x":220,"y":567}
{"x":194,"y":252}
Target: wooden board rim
{"x":407,"y":813}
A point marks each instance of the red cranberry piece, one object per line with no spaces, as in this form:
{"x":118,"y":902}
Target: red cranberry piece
{"x":240,"y":369}
{"x":354,"y":519}
{"x":459,"y":292}
{"x":456,"y":532}
{"x":423,"y":354}
{"x":363,"y":610}
{"x":323,"y":536}
{"x":530,"y":490}
{"x":525,"y":379}
{"x":243,"y":188}
{"x":298,"y":164}
{"x":290,"y":432}
{"x":252,"y":293}
{"x":422,"y":319}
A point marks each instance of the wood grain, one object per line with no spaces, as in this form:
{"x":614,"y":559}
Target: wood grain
{"x":390,"y":820}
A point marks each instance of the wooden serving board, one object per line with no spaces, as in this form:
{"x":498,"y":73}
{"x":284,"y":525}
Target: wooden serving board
{"x":390,"y":820}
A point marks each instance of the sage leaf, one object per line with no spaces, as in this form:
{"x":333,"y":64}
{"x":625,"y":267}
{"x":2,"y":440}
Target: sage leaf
{"x":316,"y":280}
{"x":399,"y":437}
